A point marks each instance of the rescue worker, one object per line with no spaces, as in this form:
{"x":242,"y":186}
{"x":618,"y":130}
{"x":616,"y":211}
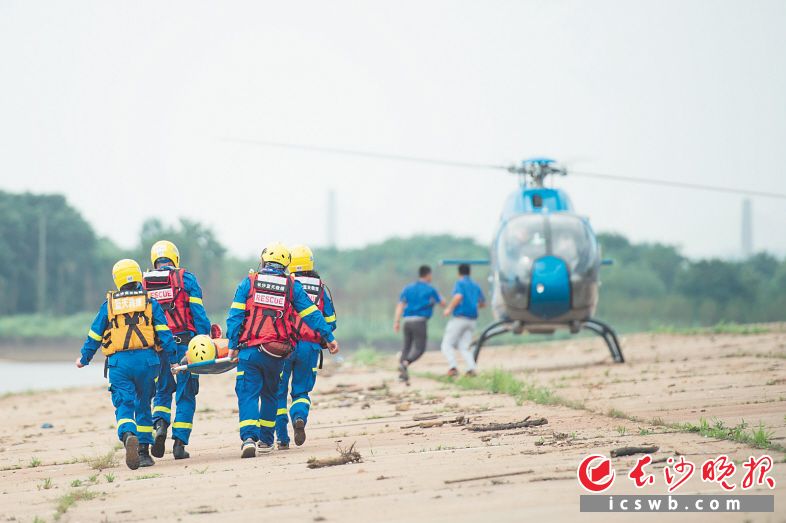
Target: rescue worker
{"x":261,"y":333}
{"x":302,"y":365}
{"x":130,"y":327}
{"x":179,"y":294}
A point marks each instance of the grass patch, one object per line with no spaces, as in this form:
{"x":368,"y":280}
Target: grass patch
{"x":498,"y":381}
{"x":35,"y":462}
{"x":103,"y":461}
{"x":145,"y":476}
{"x":69,"y":500}
{"x":109,"y":477}
{"x":719,"y":328}
{"x":759,"y":437}
{"x":46,"y":485}
{"x":366,"y":355}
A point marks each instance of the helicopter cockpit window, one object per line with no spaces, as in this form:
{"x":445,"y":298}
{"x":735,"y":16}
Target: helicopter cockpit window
{"x":521,"y":242}
{"x":571,"y":241}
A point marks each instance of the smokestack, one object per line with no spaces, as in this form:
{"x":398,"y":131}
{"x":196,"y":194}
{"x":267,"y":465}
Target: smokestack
{"x":747,"y":229}
{"x":331,"y":219}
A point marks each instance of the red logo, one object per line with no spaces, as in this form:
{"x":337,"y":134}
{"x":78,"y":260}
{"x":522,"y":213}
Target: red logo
{"x":592,"y":477}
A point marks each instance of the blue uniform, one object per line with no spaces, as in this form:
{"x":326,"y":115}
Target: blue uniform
{"x":419,"y":298}
{"x":132,"y":374}
{"x":471,"y":296}
{"x":258,"y":373}
{"x":185,"y":386}
{"x":301,"y":366}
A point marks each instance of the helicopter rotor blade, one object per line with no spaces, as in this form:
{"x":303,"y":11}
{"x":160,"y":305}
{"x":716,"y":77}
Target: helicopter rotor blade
{"x":367,"y":154}
{"x":682,"y":185}
{"x":510,"y":168}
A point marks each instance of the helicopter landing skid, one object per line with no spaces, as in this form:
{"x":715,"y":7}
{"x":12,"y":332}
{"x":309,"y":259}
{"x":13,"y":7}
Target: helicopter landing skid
{"x":598,"y":327}
{"x":495,"y":329}
{"x":609,"y":336}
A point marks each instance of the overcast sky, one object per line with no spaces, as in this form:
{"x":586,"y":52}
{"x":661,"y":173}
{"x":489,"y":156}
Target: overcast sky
{"x":123,"y":106}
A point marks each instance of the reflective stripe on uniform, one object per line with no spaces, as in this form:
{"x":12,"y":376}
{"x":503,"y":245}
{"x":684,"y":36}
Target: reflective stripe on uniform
{"x":249,"y":423}
{"x":300,"y":400}
{"x":238,"y":305}
{"x":144,"y":428}
{"x":93,"y":335}
{"x":315,"y":369}
{"x":266,"y":423}
{"x":194,"y":299}
{"x":331,"y":318}
{"x":308,"y":310}
{"x":182,"y":425}
{"x":162,"y":328}
{"x":280,"y":412}
{"x":159,"y":408}
{"x":240,"y":373}
{"x":123,"y":421}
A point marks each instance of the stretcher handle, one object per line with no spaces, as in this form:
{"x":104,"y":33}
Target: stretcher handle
{"x":181,"y":368}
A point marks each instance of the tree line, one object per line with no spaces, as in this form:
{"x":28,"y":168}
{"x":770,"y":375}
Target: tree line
{"x":52,"y":261}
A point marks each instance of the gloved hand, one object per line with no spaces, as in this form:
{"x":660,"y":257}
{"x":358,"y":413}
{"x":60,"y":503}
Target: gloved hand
{"x":333,"y":347}
{"x":232,"y":354}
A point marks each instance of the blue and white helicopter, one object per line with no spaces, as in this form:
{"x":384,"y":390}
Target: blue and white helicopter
{"x":545,"y":263}
{"x":545,"y":259}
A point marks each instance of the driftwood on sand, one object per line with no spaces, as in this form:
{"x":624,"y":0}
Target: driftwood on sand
{"x":525,"y":423}
{"x":345,"y":455}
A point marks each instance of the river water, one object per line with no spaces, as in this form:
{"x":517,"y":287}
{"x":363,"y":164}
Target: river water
{"x":22,"y":376}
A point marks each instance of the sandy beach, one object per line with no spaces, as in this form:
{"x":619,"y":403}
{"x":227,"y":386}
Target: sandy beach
{"x":413,"y":467}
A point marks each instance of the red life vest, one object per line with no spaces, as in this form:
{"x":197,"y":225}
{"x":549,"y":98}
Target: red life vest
{"x":270,"y":314}
{"x":166,"y":286}
{"x":316,"y":291}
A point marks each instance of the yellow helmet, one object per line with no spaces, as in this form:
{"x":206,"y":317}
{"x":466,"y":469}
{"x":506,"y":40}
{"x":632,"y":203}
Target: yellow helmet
{"x":302,"y":259}
{"x":276,"y":252}
{"x":126,"y":271}
{"x":164,"y":249}
{"x":200,"y":348}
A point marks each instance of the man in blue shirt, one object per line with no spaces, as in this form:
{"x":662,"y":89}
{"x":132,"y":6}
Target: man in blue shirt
{"x":416,"y":304}
{"x":467,"y":299}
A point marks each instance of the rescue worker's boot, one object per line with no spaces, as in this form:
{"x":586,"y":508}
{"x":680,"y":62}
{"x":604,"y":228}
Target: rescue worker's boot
{"x":144,"y":456}
{"x":248,"y":449}
{"x":300,"y":431}
{"x":264,"y":448}
{"x":283,"y":446}
{"x":179,"y":450}
{"x":131,"y":443}
{"x":159,"y":438}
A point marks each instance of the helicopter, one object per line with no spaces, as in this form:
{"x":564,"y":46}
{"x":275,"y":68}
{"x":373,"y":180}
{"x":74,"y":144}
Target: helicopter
{"x":544,"y":258}
{"x":545,"y":263}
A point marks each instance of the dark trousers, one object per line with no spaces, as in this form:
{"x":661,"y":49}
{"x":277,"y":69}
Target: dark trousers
{"x":415,"y":337}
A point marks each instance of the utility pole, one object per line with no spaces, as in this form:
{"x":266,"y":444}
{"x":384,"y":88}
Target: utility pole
{"x":747,"y":229}
{"x":331,"y":219}
{"x":41,"y":289}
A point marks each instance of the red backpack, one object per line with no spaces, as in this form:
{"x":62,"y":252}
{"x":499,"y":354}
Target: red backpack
{"x":166,"y":286}
{"x":270,"y":314}
{"x":316,"y":291}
